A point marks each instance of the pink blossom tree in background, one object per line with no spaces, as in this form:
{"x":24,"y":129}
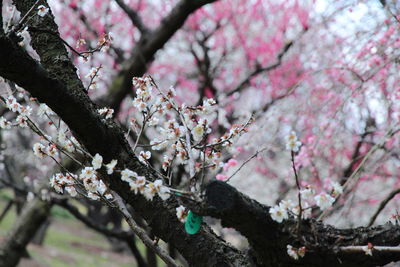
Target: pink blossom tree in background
{"x":274,"y":122}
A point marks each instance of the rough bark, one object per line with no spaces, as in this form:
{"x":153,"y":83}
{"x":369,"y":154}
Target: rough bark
{"x":27,"y":224}
{"x":268,"y":239}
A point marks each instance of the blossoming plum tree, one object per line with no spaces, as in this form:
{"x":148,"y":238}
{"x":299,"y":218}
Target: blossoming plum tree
{"x":254,"y":89}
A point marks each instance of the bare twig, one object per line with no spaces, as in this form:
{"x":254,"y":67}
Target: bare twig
{"x":141,"y":233}
{"x":134,"y":17}
{"x":298,"y":192}
{"x":382,"y":205}
{"x":361,"y":249}
{"x":247,"y":161}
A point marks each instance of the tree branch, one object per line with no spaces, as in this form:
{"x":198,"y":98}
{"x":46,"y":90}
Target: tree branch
{"x":122,"y":235}
{"x":269,"y":239}
{"x":145,"y":49}
{"x":134,"y":17}
{"x":260,"y":69}
{"x":382,"y":205}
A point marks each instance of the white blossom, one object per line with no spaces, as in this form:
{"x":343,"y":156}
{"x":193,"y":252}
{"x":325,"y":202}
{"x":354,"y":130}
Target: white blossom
{"x":324,"y":201}
{"x":107,"y":112}
{"x":292,"y":143}
{"x":307,"y":193}
{"x":292,"y":252}
{"x":278,"y":213}
{"x":127,"y":175}
{"x":144,"y":156}
{"x":22,"y":121}
{"x":337,"y":189}
{"x":296,"y":253}
{"x":43,"y":110}
{"x":4,"y":124}
{"x":71,"y":190}
{"x":39,"y":150}
{"x":87,"y":172}
{"x":42,"y":10}
{"x":25,"y":111}
{"x":12,"y":104}
{"x":164,"y":193}
{"x":181,"y":213}
{"x":110,"y":166}
{"x":90,"y":184}
{"x":97,"y":162}
{"x":93,"y":196}
{"x":108,"y":196}
{"x":52,"y":151}
{"x":138,"y":184}
{"x":198,"y":132}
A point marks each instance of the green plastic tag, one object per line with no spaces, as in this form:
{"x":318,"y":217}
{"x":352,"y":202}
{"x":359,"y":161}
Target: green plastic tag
{"x":193,"y":223}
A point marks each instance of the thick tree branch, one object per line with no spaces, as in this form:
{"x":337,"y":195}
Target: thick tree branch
{"x":269,"y":238}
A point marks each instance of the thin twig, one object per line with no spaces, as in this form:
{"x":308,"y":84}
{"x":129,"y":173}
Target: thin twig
{"x":298,"y":193}
{"x":141,"y":233}
{"x":356,"y":249}
{"x":383,"y":205}
{"x":247,"y":161}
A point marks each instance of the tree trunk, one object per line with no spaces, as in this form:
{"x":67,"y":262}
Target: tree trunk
{"x":27,"y":224}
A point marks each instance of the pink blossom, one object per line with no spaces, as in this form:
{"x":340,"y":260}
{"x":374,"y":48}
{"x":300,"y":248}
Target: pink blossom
{"x":221,"y":177}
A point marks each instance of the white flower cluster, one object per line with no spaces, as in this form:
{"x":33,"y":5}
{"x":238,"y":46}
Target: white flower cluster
{"x":107,"y":112}
{"x":93,"y":184}
{"x":323,"y":200}
{"x":22,"y":118}
{"x":296,"y":253}
{"x":88,"y":178}
{"x":292,"y":143}
{"x":24,"y":112}
{"x":60,"y":182}
{"x":139,"y":184}
{"x":281,"y":212}
{"x":144,"y":156}
{"x":173,"y":129}
{"x":40,"y":150}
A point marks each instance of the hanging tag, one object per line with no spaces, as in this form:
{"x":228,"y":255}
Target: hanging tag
{"x":193,"y":223}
